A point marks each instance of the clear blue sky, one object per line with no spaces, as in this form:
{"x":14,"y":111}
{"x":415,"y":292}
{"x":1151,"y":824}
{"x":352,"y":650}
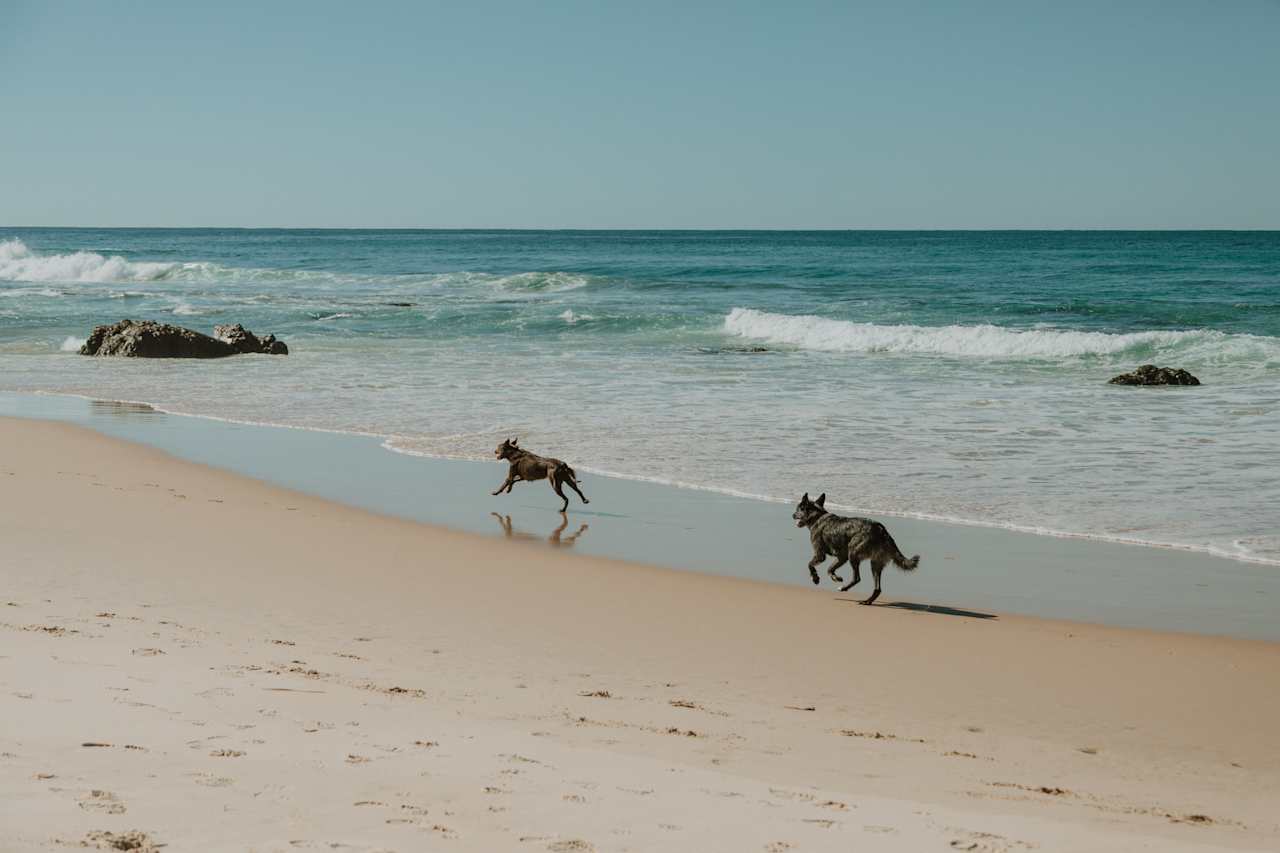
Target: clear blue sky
{"x":843,"y":114}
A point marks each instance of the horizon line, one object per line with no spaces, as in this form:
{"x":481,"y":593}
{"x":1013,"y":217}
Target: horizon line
{"x":644,"y":228}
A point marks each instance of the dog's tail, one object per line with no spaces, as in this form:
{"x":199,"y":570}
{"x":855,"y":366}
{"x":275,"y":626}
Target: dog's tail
{"x":902,"y":562}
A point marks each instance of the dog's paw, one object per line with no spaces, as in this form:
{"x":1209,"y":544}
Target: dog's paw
{"x":816,"y":580}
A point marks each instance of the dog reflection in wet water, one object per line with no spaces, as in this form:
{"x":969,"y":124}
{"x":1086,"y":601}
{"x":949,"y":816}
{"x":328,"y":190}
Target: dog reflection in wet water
{"x":530,"y":466}
{"x":556,"y":539}
{"x":849,"y":540}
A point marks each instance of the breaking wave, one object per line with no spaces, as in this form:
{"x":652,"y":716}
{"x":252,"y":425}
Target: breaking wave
{"x":18,"y":263}
{"x":986,"y":341}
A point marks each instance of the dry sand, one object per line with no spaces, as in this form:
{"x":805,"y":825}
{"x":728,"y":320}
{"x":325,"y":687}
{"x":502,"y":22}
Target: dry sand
{"x":219,"y":664}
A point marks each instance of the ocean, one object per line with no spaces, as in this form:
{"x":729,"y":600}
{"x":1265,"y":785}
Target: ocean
{"x":950,"y":375}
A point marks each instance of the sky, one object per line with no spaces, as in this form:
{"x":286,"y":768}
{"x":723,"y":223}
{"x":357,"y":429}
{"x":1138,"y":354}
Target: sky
{"x":611,"y":115}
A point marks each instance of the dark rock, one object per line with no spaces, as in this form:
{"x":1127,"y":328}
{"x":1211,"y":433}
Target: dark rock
{"x":400,"y":304}
{"x":244,"y":341}
{"x":1149,"y":374}
{"x":743,"y":350}
{"x":149,"y":339}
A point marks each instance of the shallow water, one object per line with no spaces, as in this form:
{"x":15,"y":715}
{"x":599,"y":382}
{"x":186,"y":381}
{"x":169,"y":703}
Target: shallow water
{"x":956,"y":375}
{"x":965,"y":572}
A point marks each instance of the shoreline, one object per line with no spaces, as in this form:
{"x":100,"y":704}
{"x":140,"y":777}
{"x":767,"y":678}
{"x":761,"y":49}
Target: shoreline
{"x":386,"y":441}
{"x":269,"y":669}
{"x":963,"y":566}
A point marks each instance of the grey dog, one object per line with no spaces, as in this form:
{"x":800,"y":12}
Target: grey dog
{"x":531,"y":466}
{"x":848,"y":539}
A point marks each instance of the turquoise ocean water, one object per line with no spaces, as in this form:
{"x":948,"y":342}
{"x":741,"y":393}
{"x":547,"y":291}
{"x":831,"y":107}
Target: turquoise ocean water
{"x":957,"y":375}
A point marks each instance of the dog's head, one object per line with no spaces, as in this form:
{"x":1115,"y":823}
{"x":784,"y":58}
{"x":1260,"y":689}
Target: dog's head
{"x":807,"y":511}
{"x":507,"y":449}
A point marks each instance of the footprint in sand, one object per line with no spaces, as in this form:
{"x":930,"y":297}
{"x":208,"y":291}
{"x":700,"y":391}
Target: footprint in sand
{"x":571,"y":845}
{"x":988,"y":842}
{"x":102,"y":801}
{"x":209,"y":780}
{"x":139,"y":842}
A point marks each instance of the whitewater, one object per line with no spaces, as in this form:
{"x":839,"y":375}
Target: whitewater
{"x":959,"y":376}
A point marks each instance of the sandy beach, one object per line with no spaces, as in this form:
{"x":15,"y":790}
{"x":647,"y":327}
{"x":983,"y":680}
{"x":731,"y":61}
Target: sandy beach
{"x":443,"y":427}
{"x":221,"y":664}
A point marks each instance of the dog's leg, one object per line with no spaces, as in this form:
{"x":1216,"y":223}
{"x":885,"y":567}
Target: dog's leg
{"x":831,"y":569}
{"x":555,"y":484}
{"x":818,"y":558}
{"x":573,"y":484}
{"x":854,"y":560}
{"x":876,"y":568}
{"x":506,"y":486}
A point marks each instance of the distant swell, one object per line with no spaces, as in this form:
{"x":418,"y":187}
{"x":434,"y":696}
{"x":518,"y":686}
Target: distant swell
{"x":20,"y":263}
{"x":982,"y":341}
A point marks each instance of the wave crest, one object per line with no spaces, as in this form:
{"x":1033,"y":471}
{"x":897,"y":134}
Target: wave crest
{"x":983,"y":341}
{"x":19,"y":263}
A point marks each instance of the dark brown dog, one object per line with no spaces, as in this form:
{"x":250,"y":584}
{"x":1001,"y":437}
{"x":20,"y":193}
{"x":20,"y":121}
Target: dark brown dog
{"x":531,"y":466}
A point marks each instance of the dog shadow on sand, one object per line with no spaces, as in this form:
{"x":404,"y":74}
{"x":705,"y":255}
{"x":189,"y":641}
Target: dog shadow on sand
{"x":930,"y":608}
{"x":557,"y":538}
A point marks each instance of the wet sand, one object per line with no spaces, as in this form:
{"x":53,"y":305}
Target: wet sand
{"x":965,"y":567}
{"x":223,"y":664}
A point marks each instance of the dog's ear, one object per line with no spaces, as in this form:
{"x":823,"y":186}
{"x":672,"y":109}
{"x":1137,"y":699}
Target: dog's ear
{"x":822,"y":498}
{"x":804,"y":498}
{"x":514,"y":442}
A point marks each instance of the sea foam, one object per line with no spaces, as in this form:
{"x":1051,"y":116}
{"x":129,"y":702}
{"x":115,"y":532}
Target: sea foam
{"x":976,"y":341}
{"x":19,"y":263}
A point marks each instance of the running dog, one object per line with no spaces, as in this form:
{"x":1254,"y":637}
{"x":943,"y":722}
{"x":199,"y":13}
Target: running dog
{"x":848,"y":539}
{"x":531,"y":466}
